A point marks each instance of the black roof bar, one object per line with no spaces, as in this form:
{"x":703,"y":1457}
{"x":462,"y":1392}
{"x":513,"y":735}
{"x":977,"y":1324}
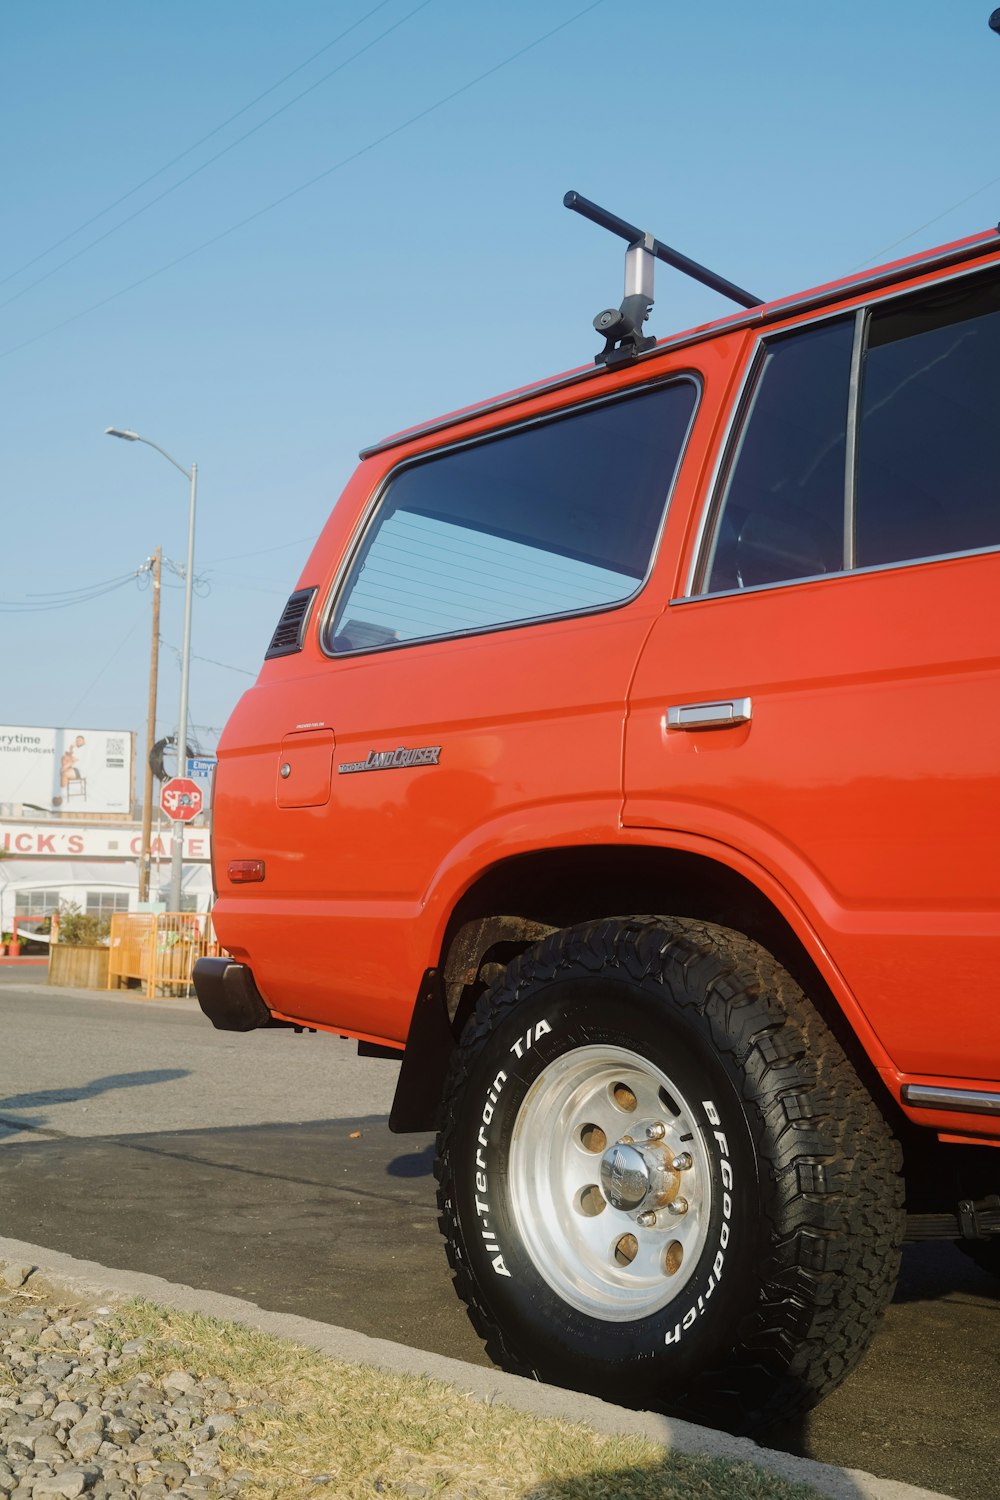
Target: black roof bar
{"x":623,"y":328}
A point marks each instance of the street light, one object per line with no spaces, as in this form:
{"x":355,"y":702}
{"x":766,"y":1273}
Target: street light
{"x":177,"y":849}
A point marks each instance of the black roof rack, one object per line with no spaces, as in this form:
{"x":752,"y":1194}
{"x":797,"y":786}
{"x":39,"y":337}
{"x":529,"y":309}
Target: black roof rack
{"x":622,"y":327}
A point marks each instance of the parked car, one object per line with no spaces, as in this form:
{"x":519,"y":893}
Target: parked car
{"x":626,"y":762}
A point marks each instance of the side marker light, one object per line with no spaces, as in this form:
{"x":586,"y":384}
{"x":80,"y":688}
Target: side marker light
{"x":245,"y":871}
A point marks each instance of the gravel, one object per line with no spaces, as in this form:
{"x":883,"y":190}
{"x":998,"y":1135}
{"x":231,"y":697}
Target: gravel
{"x":76,"y":1418}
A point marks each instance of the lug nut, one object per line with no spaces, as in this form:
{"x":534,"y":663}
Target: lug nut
{"x":647,"y":1220}
{"x":655,"y":1132}
{"x":626,"y":1140}
{"x":682,"y":1163}
{"x":678,"y":1207}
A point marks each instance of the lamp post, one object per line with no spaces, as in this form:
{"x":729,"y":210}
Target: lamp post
{"x":191,"y":475}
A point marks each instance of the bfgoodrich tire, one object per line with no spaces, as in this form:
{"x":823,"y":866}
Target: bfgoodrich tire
{"x":660,"y":1180}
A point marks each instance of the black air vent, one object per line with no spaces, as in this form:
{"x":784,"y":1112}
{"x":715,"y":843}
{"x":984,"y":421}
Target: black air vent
{"x":292,"y":625}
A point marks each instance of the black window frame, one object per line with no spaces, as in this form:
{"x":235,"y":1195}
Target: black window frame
{"x":372,"y":511}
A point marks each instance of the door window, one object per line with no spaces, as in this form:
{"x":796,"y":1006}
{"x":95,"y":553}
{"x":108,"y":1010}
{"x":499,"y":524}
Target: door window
{"x":783,"y":509}
{"x":921,"y":478}
{"x":929,"y":428}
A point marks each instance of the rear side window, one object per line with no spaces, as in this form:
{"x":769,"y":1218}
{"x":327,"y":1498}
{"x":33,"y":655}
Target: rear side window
{"x":557,"y":518}
{"x":824,"y":477}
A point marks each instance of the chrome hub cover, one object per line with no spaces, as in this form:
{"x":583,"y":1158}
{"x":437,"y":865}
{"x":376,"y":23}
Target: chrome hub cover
{"x":638,"y":1177}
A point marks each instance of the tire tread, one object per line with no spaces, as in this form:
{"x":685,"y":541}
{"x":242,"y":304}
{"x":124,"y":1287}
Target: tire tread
{"x":833,"y":1243}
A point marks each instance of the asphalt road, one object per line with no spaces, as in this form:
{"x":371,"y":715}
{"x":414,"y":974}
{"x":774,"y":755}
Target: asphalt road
{"x":133,"y":1134}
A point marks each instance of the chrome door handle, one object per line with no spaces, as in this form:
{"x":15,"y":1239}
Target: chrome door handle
{"x":709,"y":715}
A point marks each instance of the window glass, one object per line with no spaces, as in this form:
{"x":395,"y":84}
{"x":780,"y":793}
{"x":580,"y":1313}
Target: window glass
{"x":546,"y":520}
{"x":103,"y":903}
{"x":35,"y":903}
{"x":929,"y":436}
{"x":783,"y":508}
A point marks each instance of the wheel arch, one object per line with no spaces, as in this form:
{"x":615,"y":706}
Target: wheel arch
{"x":515,"y":902}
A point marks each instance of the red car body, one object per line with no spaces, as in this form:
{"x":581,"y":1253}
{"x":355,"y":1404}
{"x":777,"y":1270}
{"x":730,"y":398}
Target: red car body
{"x":708,"y":631}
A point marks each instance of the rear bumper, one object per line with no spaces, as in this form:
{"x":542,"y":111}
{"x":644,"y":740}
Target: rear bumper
{"x":229,"y":997}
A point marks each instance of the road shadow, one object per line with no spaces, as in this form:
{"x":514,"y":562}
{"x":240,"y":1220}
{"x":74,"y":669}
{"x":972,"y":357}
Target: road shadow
{"x":414,"y":1163}
{"x":44,"y":1098}
{"x":313,"y":1218}
{"x":920,"y":1277}
{"x":331,"y":1220}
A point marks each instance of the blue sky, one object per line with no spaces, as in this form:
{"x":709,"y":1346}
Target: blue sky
{"x":429,"y":265}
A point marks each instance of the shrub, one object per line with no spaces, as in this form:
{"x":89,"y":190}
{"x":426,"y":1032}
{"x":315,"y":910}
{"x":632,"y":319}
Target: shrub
{"x":80,"y":929}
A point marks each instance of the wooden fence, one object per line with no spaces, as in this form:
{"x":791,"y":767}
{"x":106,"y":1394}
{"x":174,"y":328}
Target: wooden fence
{"x":159,"y":949}
{"x":79,"y":966}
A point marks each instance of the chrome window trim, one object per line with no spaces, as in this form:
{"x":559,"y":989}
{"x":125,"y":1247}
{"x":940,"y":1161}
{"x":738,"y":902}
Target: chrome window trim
{"x":369,"y":515}
{"x":791,"y":583}
{"x":713,"y":503}
{"x":850,"y":553}
{"x":710,"y":509}
{"x":865,"y":282}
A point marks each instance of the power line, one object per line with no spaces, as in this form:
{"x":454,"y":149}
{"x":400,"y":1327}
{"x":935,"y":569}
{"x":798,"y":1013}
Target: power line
{"x":212,"y":663}
{"x":877,"y":256}
{"x":80,"y":596}
{"x":218,"y":155}
{"x":304,"y":186}
{"x":260,"y":552}
{"x":242,"y":670}
{"x":121,"y":644}
{"x":188,"y":150}
{"x":232,"y":580}
{"x":86,"y":587}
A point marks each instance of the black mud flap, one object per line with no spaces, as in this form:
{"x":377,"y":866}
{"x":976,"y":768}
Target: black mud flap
{"x":430,"y":1043}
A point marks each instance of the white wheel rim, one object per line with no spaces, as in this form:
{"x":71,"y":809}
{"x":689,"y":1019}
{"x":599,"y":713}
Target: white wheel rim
{"x":578,"y":1242}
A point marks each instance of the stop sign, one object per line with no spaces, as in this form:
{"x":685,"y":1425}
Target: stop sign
{"x":180,"y":798}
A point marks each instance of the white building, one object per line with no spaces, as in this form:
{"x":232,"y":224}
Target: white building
{"x":95,"y":866}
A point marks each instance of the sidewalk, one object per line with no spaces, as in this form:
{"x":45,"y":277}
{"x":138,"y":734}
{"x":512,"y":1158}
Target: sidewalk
{"x":64,"y":1272}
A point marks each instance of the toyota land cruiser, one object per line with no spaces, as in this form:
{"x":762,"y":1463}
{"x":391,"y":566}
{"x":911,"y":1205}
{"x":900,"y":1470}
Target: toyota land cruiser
{"x":626,"y":761}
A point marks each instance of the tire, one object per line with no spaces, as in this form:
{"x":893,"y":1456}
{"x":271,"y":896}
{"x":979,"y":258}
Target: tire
{"x":775,"y":1189}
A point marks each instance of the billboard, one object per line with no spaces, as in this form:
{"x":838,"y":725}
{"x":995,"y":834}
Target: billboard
{"x":66,"y":770}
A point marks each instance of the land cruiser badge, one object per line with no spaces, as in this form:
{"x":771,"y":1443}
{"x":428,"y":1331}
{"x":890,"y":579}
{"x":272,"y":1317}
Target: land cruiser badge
{"x":393,"y":760}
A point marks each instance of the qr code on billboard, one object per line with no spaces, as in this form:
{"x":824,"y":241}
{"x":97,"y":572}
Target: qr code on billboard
{"x":114,"y":751}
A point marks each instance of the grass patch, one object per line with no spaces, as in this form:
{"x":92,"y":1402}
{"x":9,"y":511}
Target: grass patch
{"x":308,"y":1426}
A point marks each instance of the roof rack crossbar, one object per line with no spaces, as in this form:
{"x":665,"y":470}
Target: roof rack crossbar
{"x":622,"y":328}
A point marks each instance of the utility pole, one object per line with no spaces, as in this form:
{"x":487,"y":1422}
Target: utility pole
{"x":147,"y":796}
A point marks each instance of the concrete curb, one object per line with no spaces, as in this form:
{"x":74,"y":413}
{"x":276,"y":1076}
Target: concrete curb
{"x":529,"y":1396}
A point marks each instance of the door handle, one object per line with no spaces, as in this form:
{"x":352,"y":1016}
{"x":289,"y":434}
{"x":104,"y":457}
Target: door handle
{"x":709,"y":715}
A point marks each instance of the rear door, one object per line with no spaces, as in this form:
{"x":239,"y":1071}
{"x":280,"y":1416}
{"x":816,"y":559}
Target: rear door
{"x":471,"y":669}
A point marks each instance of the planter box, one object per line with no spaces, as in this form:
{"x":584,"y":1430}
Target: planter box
{"x":78,"y":966}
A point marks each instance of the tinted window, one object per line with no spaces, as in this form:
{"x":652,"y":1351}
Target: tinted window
{"x":929,"y":435}
{"x":782,"y":511}
{"x":546,"y":520}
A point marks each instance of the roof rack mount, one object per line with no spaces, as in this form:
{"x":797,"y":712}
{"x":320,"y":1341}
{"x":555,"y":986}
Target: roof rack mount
{"x":622,"y":327}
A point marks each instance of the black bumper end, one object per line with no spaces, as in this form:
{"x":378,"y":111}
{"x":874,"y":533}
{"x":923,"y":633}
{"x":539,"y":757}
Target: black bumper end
{"x":228,"y":996}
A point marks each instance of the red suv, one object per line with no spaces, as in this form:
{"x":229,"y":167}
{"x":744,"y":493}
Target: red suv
{"x":627,"y":761}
